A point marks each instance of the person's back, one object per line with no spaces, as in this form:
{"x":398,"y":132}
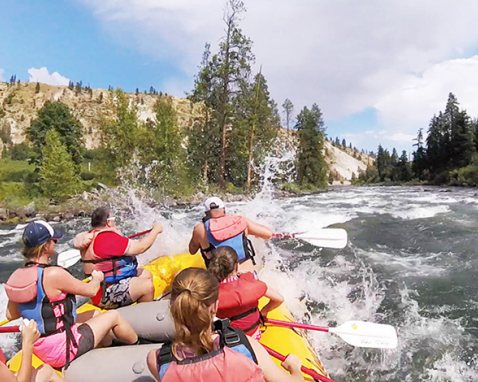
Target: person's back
{"x":201,"y":353}
{"x":219,"y":229}
{"x":239,"y":294}
{"x":105,"y":249}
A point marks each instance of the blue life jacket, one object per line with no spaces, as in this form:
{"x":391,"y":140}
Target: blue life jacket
{"x":40,"y":308}
{"x":231,"y":237}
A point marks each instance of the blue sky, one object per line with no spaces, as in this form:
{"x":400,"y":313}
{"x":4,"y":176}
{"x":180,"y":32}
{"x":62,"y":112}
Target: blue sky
{"x":378,"y":70}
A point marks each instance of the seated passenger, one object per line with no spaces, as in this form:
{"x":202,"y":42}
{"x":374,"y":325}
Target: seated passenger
{"x":46,"y":294}
{"x":27,"y":372}
{"x":239,"y":294}
{"x":219,"y":229}
{"x":204,"y":351}
{"x":105,"y":249}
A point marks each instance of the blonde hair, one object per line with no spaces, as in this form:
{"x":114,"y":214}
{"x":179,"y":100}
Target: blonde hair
{"x":194,"y":291}
{"x":31,"y":253}
{"x":223,"y":262}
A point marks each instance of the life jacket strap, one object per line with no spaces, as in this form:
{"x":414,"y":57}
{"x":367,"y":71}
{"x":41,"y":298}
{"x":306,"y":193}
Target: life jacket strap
{"x":244,"y":314}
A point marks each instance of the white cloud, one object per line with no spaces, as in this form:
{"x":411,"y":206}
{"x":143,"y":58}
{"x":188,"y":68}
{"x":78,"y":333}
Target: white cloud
{"x":411,"y":105}
{"x":344,"y":55}
{"x":42,"y":75}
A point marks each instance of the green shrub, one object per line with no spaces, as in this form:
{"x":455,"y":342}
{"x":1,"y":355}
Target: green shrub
{"x":465,"y":176}
{"x":20,"y":152}
{"x":87,"y":176}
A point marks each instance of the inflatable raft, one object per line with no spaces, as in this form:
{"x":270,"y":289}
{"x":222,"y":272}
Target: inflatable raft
{"x":154,"y":324}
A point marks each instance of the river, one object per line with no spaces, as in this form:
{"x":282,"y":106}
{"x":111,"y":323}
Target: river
{"x":411,"y":262}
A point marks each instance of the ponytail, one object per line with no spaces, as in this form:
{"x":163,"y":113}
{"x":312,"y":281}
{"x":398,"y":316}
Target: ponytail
{"x":223,"y":262}
{"x":193,"y":293}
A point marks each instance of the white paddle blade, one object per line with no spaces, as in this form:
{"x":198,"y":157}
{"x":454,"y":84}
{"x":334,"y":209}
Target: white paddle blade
{"x":367,"y":334}
{"x":68,"y":258}
{"x":325,"y":238}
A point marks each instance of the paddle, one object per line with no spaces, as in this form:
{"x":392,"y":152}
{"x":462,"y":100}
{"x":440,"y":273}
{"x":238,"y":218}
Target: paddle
{"x":68,"y":258}
{"x":356,"y":333}
{"x":304,"y":369}
{"x":323,"y":237}
{"x":9,"y":329}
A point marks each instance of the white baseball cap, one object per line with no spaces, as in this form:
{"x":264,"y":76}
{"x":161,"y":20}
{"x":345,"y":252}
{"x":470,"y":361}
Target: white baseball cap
{"x":212,"y":203}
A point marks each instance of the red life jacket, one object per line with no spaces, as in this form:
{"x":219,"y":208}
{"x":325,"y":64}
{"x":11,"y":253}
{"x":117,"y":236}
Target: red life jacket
{"x":120,"y":266}
{"x":238,"y":301}
{"x":234,"y":361}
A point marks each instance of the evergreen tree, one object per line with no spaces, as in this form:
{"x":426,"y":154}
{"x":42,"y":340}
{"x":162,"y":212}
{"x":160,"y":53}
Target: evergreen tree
{"x":344,"y":144}
{"x":37,"y":88}
{"x":311,"y":165}
{"x":58,"y":174}
{"x":204,"y":138}
{"x":232,"y":68}
{"x":56,"y":116}
{"x":257,"y":121}
{"x":404,"y":171}
{"x":461,"y":134}
{"x":161,"y":143}
{"x":288,"y":107}
{"x":224,"y":79}
{"x":419,"y":164}
{"x":119,"y":133}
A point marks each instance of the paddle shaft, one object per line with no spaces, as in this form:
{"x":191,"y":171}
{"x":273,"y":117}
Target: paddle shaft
{"x":297,"y":325}
{"x":304,"y":369}
{"x":139,"y":234}
{"x":9,"y":329}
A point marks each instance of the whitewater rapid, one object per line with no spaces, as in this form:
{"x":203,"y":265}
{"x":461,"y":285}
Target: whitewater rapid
{"x":411,"y":262}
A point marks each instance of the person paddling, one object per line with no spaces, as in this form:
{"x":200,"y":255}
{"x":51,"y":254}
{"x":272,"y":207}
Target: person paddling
{"x":204,"y":351}
{"x":239,"y":294}
{"x":105,"y":249}
{"x":46,"y":294}
{"x":219,"y":229}
{"x":27,"y":372}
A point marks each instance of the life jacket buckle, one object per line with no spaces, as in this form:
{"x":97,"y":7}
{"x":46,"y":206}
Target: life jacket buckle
{"x":231,"y":339}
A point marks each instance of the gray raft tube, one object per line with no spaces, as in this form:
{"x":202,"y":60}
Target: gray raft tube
{"x":153,"y":323}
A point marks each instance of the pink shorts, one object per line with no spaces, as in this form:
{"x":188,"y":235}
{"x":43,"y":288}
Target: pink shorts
{"x":52,"y":349}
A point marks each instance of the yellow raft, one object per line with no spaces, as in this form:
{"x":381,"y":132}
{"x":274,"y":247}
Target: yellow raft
{"x":282,"y":340}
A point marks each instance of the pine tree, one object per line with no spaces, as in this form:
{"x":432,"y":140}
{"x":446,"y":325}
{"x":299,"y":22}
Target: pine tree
{"x":161,"y":143}
{"x":404,"y":171}
{"x":288,"y":107}
{"x":311,"y":165}
{"x":37,"y":88}
{"x":58,"y":174}
{"x":120,"y":132}
{"x":232,"y":66}
{"x":419,"y":164}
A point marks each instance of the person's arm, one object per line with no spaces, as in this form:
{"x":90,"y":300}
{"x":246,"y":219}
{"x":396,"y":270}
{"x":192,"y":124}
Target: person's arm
{"x":152,"y":364}
{"x":63,"y":281}
{"x":12,"y":312}
{"x":137,"y":247}
{"x":195,"y":242}
{"x":272,"y":372}
{"x":30,"y":334}
{"x":258,"y":230}
{"x":275,"y":299}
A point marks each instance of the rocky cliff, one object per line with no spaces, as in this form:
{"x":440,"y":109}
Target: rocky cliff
{"x":19,"y":105}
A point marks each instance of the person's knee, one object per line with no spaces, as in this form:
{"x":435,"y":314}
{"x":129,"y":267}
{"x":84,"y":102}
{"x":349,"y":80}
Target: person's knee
{"x":146,"y":274}
{"x":113,"y":315}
